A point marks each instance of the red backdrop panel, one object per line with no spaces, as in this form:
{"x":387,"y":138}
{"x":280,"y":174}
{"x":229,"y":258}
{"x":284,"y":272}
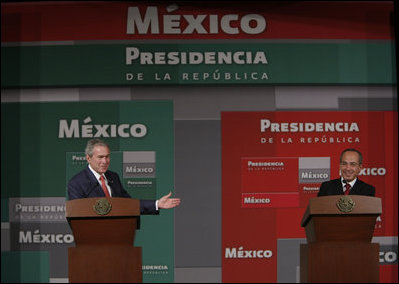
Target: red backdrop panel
{"x":273,"y":162}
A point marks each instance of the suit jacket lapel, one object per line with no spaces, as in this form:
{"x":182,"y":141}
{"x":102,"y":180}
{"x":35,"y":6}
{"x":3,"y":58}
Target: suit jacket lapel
{"x":93,"y":183}
{"x":338,"y":186}
{"x":111,"y":183}
{"x":356,"y":187}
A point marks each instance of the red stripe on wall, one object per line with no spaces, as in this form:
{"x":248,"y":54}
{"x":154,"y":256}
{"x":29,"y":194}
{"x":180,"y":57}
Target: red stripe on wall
{"x":62,"y":21}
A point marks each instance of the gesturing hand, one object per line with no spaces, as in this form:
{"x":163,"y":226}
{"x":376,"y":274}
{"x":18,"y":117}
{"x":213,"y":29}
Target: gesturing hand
{"x":165,"y":202}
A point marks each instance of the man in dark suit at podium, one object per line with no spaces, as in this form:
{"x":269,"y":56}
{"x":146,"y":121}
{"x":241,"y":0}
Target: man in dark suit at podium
{"x":97,"y":181}
{"x":350,"y":166}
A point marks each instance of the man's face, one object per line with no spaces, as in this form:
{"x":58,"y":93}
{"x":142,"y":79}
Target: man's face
{"x":349,"y":165}
{"x":100,"y":159}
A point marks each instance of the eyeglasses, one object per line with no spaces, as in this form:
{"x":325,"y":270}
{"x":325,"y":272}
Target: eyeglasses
{"x":352,"y":164}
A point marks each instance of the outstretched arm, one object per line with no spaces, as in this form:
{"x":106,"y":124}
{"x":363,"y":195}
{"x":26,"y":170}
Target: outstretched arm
{"x":165,"y":202}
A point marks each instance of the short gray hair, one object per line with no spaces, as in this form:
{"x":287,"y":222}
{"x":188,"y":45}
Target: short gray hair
{"x":92,"y":143}
{"x":352,"y":150}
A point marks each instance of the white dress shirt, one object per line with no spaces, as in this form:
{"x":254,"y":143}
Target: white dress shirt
{"x":352,"y":183}
{"x":97,"y":175}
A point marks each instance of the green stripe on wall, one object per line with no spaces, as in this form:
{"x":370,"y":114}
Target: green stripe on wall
{"x":25,"y":267}
{"x":287,"y":63}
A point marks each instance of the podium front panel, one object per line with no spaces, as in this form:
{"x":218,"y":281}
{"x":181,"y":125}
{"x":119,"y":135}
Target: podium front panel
{"x":349,"y":227}
{"x":108,"y":264}
{"x":339,"y":262}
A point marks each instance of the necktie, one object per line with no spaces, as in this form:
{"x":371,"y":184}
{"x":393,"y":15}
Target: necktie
{"x":104,"y":186}
{"x":348,"y":188}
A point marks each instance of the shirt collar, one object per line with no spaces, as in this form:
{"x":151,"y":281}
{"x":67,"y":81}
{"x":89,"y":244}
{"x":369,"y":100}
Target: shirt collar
{"x":352,"y":183}
{"x":96,"y":174}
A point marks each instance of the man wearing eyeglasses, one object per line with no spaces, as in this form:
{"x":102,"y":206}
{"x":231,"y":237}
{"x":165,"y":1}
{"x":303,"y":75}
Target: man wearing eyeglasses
{"x":350,"y":166}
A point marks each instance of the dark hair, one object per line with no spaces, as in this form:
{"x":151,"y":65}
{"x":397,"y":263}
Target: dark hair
{"x":352,"y":150}
{"x":92,"y":143}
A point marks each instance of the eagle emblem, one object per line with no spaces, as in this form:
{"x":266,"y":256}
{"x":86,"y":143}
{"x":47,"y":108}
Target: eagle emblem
{"x":102,"y":206}
{"x":345,"y":204}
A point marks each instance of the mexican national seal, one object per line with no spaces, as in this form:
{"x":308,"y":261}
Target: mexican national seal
{"x":345,"y":204}
{"x":102,"y":206}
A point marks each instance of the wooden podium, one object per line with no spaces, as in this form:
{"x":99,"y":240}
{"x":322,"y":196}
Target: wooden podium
{"x":104,"y":230}
{"x":339,"y":232}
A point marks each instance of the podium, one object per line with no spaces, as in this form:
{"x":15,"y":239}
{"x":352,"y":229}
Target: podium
{"x":104,"y":231}
{"x":339,"y":230}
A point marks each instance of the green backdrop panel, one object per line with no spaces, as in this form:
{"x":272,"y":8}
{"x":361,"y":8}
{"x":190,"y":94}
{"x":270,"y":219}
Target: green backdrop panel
{"x":24,"y":267}
{"x":43,"y":147}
